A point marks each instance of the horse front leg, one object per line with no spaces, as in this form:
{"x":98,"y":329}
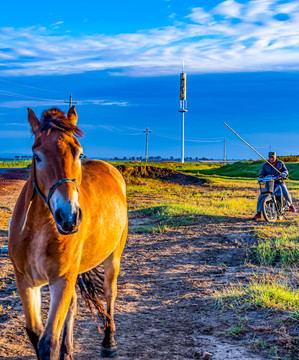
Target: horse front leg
{"x":31,"y":302}
{"x":66,"y":350}
{"x":62,"y":291}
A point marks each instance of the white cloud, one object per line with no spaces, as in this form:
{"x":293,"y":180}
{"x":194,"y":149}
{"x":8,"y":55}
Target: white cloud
{"x":257,"y":9}
{"x":57,"y":23}
{"x":200,"y":16}
{"x":209,"y":41}
{"x":288,"y":7}
{"x":229,"y":8}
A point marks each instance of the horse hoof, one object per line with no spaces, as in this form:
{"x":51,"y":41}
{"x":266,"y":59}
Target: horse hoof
{"x":108,"y":352}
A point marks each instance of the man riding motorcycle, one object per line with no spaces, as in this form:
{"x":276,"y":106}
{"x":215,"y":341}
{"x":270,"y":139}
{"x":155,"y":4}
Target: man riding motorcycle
{"x":267,"y":169}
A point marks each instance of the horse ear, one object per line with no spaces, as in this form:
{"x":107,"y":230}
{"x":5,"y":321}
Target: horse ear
{"x":72,"y":116}
{"x":33,"y":121}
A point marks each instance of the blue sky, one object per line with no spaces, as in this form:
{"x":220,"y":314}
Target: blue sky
{"x":121,"y":61}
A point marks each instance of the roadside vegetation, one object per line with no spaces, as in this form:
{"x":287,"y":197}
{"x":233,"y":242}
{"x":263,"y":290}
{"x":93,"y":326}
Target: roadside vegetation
{"x":278,"y":244}
{"x":268,"y":291}
{"x":160,"y":205}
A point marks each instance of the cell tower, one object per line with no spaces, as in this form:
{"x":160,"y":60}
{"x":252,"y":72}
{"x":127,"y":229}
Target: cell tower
{"x":183,"y":106}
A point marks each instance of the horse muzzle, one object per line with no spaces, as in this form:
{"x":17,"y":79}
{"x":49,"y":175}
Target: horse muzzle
{"x":68,"y":222}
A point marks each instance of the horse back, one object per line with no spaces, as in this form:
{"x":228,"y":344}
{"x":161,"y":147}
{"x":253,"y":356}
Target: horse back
{"x":96,"y":172}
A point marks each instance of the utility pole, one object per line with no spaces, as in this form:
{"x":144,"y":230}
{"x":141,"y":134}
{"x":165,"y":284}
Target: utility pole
{"x":146,"y":144}
{"x":224,"y":155}
{"x":70,"y":101}
{"x":183,"y":105}
{"x":270,"y":147}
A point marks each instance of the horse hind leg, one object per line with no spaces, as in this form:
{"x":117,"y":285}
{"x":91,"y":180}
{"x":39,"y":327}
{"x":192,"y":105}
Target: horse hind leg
{"x":66,"y":349}
{"x":31,"y":301}
{"x":94,"y":285}
{"x":112,"y":266}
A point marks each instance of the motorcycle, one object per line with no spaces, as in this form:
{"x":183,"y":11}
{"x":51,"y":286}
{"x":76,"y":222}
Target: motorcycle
{"x":274,"y":204}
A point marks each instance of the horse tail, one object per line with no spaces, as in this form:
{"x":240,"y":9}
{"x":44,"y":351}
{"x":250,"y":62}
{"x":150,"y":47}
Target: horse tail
{"x":91,"y":285}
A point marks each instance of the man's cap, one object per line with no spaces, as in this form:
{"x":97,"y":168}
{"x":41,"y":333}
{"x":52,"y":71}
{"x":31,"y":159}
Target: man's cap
{"x":272,"y":153}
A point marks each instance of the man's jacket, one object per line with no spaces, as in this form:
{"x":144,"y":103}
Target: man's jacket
{"x":268,"y":170}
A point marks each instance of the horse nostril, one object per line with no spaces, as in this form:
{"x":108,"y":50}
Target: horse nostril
{"x":58,"y":216}
{"x":67,"y":221}
{"x":79,"y":216}
{"x":68,"y":226}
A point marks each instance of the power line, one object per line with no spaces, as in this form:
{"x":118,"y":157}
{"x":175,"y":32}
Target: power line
{"x":8,"y":93}
{"x":26,"y":86}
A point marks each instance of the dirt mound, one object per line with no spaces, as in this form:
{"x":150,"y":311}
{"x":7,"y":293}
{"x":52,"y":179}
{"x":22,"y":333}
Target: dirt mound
{"x":153,"y":172}
{"x":14,"y":174}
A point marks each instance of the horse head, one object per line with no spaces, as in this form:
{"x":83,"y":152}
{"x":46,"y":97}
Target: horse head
{"x":56,"y":166}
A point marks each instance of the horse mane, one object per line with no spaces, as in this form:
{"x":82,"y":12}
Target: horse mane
{"x":55,"y":119}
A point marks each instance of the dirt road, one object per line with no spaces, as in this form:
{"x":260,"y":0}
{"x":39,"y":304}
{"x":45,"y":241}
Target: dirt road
{"x":166,"y":310}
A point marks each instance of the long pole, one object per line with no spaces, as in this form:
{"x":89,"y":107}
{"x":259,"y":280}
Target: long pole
{"x":224,"y":151}
{"x":183,"y":138}
{"x":146,"y":143}
{"x":252,"y":148}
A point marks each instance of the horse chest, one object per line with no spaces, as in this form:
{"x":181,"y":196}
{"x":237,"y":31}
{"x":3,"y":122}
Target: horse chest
{"x":46,"y":258}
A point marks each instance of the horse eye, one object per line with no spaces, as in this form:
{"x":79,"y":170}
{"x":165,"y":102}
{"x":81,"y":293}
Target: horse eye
{"x":80,"y":156}
{"x":37,"y":158}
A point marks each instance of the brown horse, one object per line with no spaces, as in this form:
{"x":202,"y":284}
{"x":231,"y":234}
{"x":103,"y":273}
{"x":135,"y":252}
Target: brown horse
{"x":68,"y":219}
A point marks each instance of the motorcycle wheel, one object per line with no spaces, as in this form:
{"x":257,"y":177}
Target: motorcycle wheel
{"x":269,"y":211}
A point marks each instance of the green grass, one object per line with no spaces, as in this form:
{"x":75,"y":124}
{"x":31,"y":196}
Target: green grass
{"x":238,"y":329}
{"x":247,"y":169}
{"x":170,"y":215}
{"x":269,"y":292}
{"x":153,"y":229}
{"x":278,"y":244}
{"x":172,"y":205}
{"x":183,"y":167}
{"x":15,"y":163}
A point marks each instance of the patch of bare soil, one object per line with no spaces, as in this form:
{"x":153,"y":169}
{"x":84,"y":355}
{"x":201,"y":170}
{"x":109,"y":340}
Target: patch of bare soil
{"x":167,"y":310}
{"x":14,"y":174}
{"x":153,"y":172}
{"x":11,"y":184}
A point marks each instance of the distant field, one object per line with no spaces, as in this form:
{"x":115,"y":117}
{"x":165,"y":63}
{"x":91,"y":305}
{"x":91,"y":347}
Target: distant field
{"x":240,"y":169}
{"x":14,"y":163}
